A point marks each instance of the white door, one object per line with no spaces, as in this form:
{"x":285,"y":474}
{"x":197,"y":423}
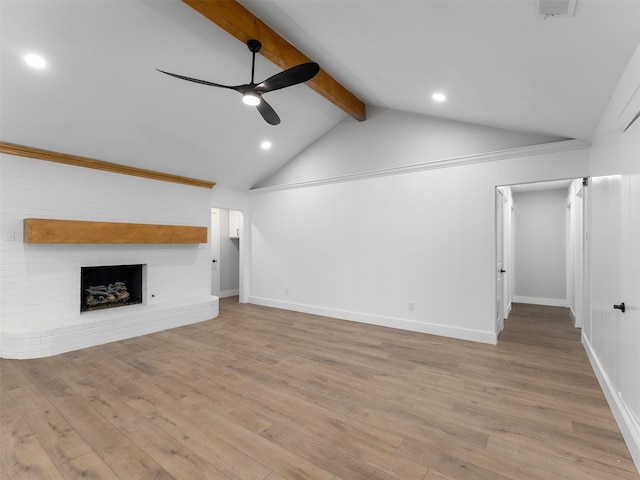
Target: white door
{"x":215,"y":251}
{"x":499,"y":260}
{"x":577,"y":256}
{"x":507,"y":252}
{"x":629,"y":293}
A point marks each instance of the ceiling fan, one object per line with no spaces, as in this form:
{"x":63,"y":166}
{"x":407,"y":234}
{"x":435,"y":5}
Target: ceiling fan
{"x":252,"y":92}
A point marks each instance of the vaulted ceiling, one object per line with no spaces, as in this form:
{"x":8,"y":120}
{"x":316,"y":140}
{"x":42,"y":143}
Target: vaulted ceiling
{"x":100,"y":95}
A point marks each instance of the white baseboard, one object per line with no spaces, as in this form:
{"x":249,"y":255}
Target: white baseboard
{"x":229,"y":293}
{"x":549,"y":302}
{"x":627,"y":422}
{"x":391,"y":322}
{"x":573,"y":317}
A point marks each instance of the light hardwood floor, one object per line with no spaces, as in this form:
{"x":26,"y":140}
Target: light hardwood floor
{"x":261,"y":393}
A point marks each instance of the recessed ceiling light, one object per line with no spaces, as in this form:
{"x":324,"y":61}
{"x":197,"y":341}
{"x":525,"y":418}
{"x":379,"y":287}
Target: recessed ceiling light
{"x":439,"y":97}
{"x":34,"y":60}
{"x":266,"y":145}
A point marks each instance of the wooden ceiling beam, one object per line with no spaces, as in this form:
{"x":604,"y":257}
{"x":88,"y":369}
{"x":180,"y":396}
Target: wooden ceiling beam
{"x":235,"y":19}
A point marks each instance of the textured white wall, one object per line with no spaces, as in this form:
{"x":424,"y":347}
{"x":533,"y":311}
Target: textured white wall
{"x":363,"y":249}
{"x":540,"y":247}
{"x":40,"y":283}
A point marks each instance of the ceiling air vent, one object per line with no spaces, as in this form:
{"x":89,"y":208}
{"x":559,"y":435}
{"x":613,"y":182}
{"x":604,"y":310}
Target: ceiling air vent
{"x":556,"y":8}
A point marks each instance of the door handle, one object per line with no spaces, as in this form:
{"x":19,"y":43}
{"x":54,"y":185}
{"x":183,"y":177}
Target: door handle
{"x":502,"y":270}
{"x":214,"y":261}
{"x":620,"y":307}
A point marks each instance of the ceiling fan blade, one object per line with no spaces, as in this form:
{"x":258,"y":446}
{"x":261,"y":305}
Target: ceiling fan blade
{"x":292,"y":76}
{"x":267,"y":112}
{"x":195,"y":80}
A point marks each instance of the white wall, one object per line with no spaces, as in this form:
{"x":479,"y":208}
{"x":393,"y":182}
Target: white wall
{"x":611,"y":338}
{"x":363,"y":249}
{"x":229,"y":199}
{"x":540,"y":247}
{"x":40,"y":283}
{"x":368,"y":248}
{"x":391,"y":139}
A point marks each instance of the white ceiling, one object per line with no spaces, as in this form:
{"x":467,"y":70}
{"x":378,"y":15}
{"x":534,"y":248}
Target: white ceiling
{"x":100,"y":96}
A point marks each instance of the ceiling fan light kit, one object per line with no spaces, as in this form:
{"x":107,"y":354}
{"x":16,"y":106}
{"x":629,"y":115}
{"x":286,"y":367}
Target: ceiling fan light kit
{"x":251,"y":99}
{"x":252,"y":92}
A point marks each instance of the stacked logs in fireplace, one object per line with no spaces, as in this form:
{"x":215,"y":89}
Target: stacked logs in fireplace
{"x":106,"y":295}
{"x":110,"y":286}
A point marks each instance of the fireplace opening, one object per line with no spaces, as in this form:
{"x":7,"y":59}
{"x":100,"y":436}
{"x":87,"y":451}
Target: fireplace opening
{"x":110,"y":286}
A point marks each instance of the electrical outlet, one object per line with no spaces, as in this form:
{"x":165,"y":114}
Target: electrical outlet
{"x":412,"y":306}
{"x":9,"y":235}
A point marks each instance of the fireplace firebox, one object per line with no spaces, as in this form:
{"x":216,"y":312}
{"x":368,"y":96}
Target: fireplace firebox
{"x":110,"y":286}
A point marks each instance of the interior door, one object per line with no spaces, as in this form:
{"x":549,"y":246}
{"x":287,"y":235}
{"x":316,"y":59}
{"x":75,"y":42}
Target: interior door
{"x":577,"y":257}
{"x":215,"y":251}
{"x":629,"y":293}
{"x":499,"y":260}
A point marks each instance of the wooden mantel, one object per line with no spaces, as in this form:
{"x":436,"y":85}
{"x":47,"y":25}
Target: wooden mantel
{"x":39,"y":230}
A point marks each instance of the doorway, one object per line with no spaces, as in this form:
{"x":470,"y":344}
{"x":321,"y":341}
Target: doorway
{"x":540,"y":253}
{"x":226,"y":235}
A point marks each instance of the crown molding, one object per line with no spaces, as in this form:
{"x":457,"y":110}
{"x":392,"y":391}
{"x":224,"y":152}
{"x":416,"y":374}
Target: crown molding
{"x":511,"y":153}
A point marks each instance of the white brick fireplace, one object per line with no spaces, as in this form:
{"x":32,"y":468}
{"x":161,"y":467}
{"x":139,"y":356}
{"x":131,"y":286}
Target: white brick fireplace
{"x":40,"y":283}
